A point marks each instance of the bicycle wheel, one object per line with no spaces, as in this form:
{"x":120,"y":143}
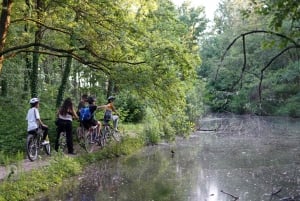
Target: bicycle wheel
{"x":62,"y":142}
{"x":116,"y":135}
{"x":102,"y":138}
{"x":32,"y":147}
{"x":107,"y":130}
{"x":80,"y":137}
{"x":88,"y":142}
{"x":47,"y":148}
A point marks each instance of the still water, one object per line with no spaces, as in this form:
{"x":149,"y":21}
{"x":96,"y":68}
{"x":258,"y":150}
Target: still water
{"x":245,"y":158}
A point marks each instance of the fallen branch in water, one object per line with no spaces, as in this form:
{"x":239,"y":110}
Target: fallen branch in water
{"x":207,"y":129}
{"x":235,"y":198}
{"x":276,"y":192}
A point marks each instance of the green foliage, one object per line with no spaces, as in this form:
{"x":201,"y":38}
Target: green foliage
{"x":146,"y":56}
{"x":132,"y":108}
{"x":279,"y":11}
{"x":194,"y":101}
{"x":7,"y":158}
{"x":152,"y":132}
{"x":13,"y":127}
{"x":260,"y":79}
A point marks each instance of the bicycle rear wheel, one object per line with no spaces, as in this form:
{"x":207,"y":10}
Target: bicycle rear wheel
{"x":47,"y":148}
{"x":32,"y":147}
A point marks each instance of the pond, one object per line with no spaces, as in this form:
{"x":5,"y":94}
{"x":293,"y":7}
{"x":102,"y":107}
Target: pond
{"x":245,"y":158}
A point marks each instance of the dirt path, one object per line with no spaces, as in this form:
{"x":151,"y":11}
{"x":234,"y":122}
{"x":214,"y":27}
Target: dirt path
{"x":27,"y":165}
{"x":23,"y":166}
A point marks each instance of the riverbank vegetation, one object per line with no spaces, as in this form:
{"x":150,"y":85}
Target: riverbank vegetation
{"x":26,"y":185}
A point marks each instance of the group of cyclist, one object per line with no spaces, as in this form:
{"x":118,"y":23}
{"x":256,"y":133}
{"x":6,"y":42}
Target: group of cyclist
{"x":66,"y":114}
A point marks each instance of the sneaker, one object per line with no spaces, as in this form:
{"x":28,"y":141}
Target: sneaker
{"x":72,"y":153}
{"x":116,"y":130}
{"x":45,"y":142}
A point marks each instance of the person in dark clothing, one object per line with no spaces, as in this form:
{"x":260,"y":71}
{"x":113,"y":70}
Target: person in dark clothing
{"x":82,"y":103}
{"x":92,"y":121}
{"x":65,"y":115}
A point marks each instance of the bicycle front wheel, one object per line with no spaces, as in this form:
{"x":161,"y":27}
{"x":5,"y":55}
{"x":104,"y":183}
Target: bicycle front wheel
{"x":62,"y":142}
{"x":116,"y":135}
{"x":102,"y":138}
{"x":32,"y":147}
{"x":80,"y":137}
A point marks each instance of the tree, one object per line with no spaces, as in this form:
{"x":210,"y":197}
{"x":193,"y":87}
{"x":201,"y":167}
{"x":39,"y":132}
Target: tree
{"x":4,"y":24}
{"x":245,"y":78}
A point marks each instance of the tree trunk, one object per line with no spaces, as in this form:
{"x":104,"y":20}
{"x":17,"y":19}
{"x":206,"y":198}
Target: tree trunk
{"x":110,"y":88}
{"x":26,"y":76}
{"x":64,"y":81}
{"x":36,"y":54}
{"x":4,"y":87}
{"x":34,"y":72}
{"x":4,"y":25}
{"x":75,"y":83}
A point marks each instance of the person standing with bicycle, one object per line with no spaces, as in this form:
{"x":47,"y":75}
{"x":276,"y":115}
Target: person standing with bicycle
{"x":65,"y":116}
{"x":34,"y":120}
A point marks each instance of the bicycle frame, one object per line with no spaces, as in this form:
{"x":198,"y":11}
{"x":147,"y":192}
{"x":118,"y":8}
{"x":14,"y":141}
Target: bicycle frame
{"x":88,"y":138}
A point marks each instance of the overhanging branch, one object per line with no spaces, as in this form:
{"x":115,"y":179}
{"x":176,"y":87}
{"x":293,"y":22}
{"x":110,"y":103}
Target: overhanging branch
{"x":294,"y":45}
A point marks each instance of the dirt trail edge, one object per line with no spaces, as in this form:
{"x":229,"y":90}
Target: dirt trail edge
{"x":27,"y":165}
{"x":22,"y":166}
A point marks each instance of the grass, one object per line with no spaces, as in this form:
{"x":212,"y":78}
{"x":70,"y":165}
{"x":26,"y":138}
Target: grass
{"x":27,"y":185}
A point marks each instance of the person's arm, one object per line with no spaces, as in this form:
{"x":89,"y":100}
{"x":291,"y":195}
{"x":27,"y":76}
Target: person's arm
{"x":37,"y":117}
{"x":101,"y":107}
{"x":41,"y":123}
{"x":74,"y":114}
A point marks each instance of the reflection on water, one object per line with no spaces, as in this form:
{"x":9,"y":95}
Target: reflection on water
{"x":242,"y":157}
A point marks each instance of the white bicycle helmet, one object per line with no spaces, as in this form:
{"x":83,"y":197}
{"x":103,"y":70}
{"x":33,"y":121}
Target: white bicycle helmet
{"x":34,"y":100}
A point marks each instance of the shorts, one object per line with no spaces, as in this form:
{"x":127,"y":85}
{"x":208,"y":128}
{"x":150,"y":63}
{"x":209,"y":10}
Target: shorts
{"x":88,"y":124}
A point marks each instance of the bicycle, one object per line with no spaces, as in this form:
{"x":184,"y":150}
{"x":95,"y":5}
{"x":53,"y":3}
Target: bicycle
{"x":108,"y":131}
{"x":89,"y":137}
{"x":62,"y":142}
{"x":34,"y":144}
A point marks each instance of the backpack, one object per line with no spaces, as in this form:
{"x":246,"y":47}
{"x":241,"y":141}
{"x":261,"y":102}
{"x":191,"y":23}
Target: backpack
{"x":85,"y":114}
